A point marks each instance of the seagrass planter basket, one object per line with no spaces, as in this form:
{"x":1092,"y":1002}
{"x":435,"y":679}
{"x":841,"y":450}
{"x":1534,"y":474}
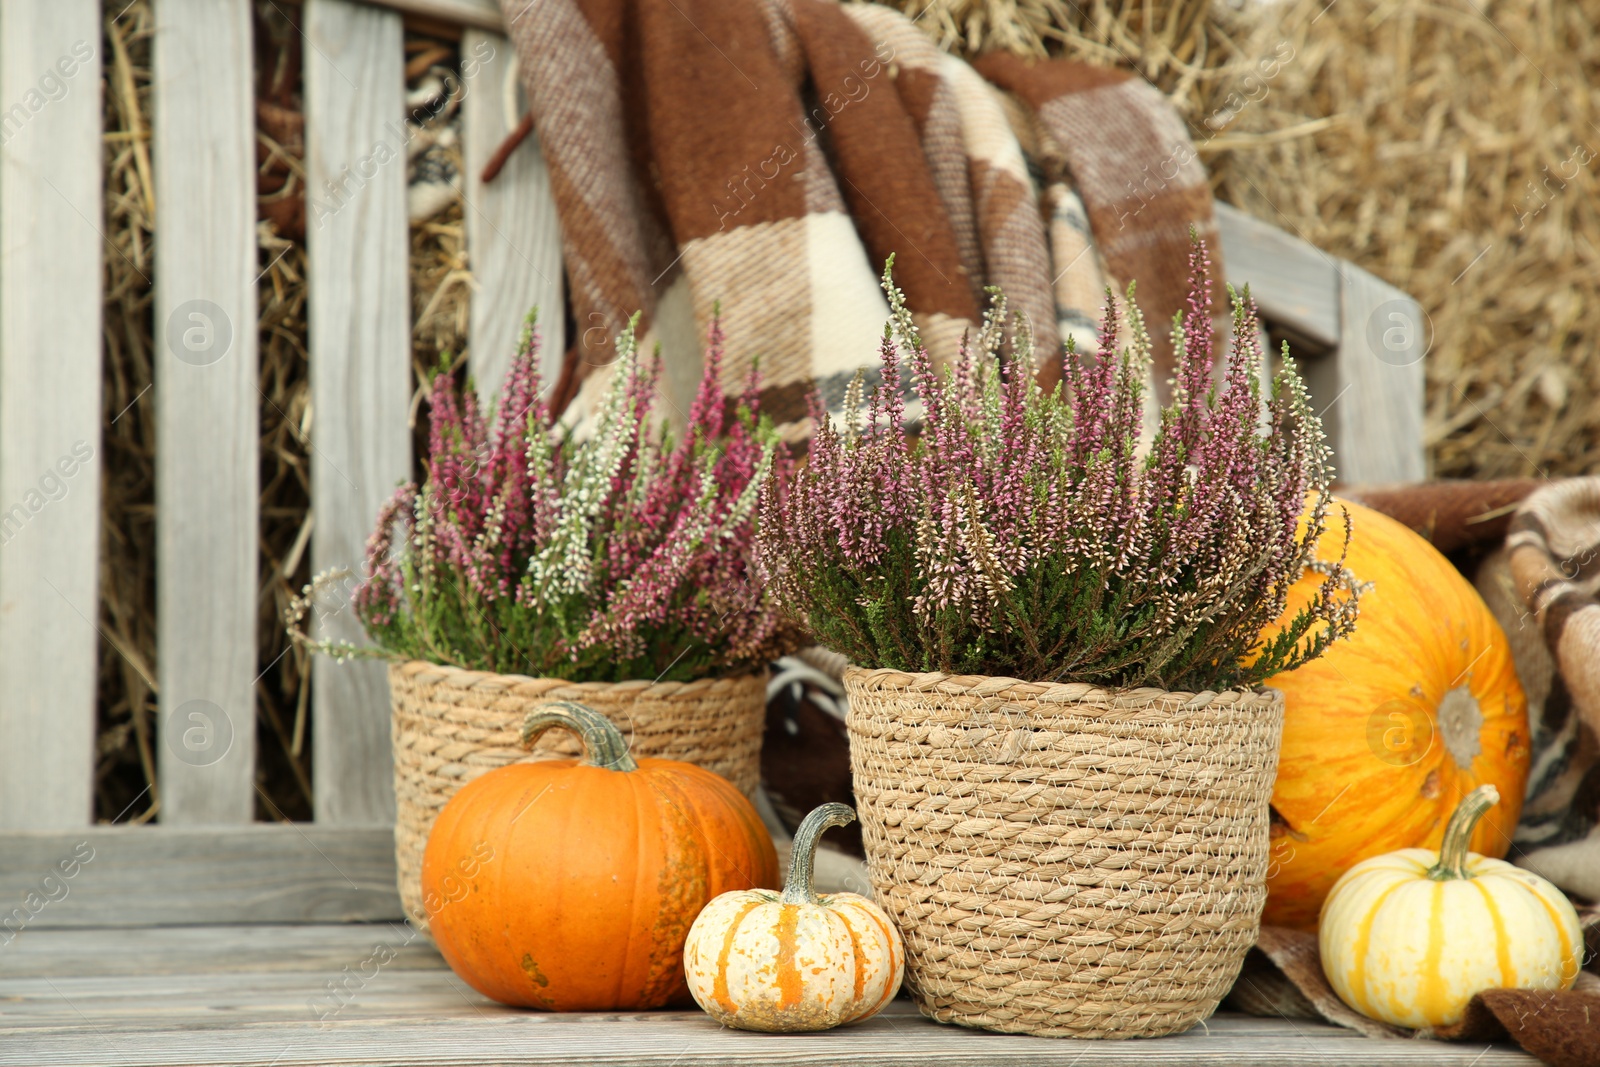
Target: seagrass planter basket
{"x":452,"y":725}
{"x":1064,"y":860}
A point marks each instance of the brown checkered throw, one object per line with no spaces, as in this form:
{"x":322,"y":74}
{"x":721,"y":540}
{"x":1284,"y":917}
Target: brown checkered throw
{"x":769,"y":155}
{"x":1552,"y":554}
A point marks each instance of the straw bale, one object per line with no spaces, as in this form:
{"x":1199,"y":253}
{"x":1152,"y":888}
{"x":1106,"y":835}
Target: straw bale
{"x":1457,"y":159}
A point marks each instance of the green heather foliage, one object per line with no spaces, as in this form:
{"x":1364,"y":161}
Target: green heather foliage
{"x":1026,"y":533}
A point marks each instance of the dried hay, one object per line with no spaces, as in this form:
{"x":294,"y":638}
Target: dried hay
{"x":125,"y":752}
{"x":1458,"y":165}
{"x":1184,"y":46}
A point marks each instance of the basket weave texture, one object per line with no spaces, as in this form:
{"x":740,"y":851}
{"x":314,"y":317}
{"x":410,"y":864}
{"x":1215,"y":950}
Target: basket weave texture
{"x":452,"y":725}
{"x":1064,"y":860}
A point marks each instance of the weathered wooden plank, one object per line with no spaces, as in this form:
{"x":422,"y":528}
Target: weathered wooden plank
{"x":360,"y":339}
{"x":483,"y":14}
{"x":137,"y":876}
{"x":1295,"y":284}
{"x":207,"y":404}
{"x":1371,"y":391}
{"x":378,"y":994}
{"x":513,"y":234}
{"x":85,"y":952}
{"x":376,"y":991}
{"x":50,"y":208}
{"x":462,"y":1035}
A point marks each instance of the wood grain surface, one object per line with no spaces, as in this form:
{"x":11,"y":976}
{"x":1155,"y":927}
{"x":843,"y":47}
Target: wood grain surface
{"x":513,"y":235}
{"x":358,"y":244}
{"x":135,"y":876}
{"x":261,"y":996}
{"x":208,"y":409}
{"x":50,"y":266}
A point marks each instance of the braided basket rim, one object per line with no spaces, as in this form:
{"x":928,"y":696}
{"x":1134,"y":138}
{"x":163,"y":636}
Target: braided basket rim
{"x":426,"y":672}
{"x":890,"y":679}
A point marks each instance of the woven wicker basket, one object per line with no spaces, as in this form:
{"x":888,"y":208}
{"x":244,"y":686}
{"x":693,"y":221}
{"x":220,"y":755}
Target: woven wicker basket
{"x":452,"y":725}
{"x":1061,"y":859}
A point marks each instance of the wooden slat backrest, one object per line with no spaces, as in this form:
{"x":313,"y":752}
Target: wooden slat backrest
{"x":360,"y":342}
{"x":50,"y":252}
{"x":207,"y":408}
{"x":513,"y":236}
{"x":1362,"y":343}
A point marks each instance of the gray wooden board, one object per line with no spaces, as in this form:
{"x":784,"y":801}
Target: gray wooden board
{"x":360,"y":340}
{"x":136,"y":876}
{"x":456,"y":1035}
{"x":262,"y":948}
{"x":513,"y":235}
{"x":1374,"y":416}
{"x":208,"y":409}
{"x":50,"y":266}
{"x":484,"y":14}
{"x":1294,"y":283}
{"x":259,"y":995}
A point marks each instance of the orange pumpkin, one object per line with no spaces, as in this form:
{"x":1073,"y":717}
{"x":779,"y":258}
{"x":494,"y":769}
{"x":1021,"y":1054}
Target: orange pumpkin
{"x":571,"y":885}
{"x":1387,"y":731}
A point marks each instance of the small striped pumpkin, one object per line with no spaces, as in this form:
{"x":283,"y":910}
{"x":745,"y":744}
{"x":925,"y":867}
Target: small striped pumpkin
{"x":756,"y":960}
{"x":1408,"y":937}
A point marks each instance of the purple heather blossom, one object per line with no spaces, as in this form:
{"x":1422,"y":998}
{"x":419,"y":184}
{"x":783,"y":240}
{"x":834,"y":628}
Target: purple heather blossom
{"x":627,"y":554}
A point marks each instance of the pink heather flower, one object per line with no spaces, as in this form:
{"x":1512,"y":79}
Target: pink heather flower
{"x":626,"y":555}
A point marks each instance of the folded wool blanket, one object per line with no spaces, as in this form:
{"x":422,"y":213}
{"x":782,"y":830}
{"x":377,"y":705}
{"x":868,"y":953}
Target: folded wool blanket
{"x":768,"y":156}
{"x":1544,"y":586}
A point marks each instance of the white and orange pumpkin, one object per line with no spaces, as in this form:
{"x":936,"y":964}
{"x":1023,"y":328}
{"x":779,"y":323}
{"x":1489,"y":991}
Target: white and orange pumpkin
{"x":1408,"y":937}
{"x":757,"y":960}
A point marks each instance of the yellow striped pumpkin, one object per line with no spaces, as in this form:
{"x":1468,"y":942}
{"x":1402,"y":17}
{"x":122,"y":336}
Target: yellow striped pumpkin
{"x":756,"y":960}
{"x":1408,"y":937}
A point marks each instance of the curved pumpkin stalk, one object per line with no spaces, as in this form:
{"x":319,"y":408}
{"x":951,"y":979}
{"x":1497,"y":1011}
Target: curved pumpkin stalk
{"x":802,"y":857}
{"x":603,"y":744}
{"x":1458,"y":833}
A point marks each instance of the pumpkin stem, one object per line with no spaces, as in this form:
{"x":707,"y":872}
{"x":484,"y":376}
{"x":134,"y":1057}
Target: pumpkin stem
{"x":603,"y":744}
{"x":797,"y":890}
{"x":1458,"y":832}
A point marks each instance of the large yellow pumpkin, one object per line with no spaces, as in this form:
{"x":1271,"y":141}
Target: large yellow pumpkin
{"x":1386,"y":731}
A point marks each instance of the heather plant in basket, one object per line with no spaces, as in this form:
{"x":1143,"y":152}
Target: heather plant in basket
{"x":623,"y":555}
{"x":1025,"y":532}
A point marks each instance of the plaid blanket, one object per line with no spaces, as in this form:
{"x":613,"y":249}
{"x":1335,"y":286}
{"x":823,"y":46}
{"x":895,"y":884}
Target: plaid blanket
{"x":767,"y":156}
{"x":1552,"y":561}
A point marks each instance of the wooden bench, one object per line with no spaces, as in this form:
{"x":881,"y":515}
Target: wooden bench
{"x":209,"y":938}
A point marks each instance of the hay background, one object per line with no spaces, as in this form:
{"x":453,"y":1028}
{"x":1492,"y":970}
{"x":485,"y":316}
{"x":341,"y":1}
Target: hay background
{"x":1429,"y":141}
